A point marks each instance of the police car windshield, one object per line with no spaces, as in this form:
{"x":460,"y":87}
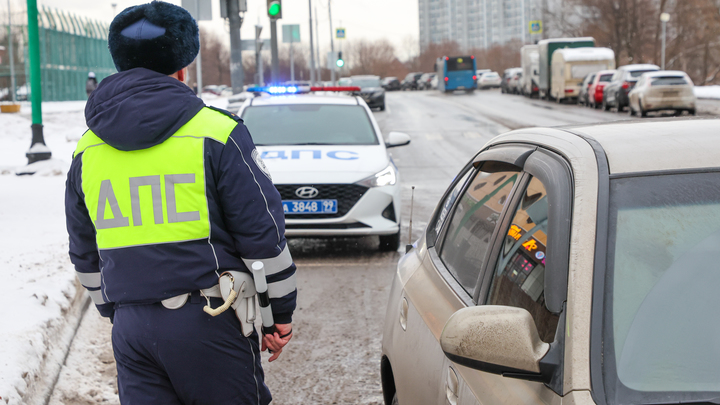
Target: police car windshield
{"x":309,"y":124}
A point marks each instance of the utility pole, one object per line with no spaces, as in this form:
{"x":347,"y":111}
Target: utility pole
{"x":12,"y":57}
{"x":317,"y":48}
{"x":198,"y":61}
{"x":236,"y":68}
{"x":38,"y":150}
{"x":332,"y":47}
{"x":312,"y":53}
{"x":664,"y":18}
{"x":259,"y":78}
{"x":274,"y":51}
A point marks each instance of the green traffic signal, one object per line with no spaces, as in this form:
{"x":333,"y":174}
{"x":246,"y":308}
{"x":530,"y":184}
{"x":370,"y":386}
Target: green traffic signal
{"x":274,"y":9}
{"x":340,"y":62}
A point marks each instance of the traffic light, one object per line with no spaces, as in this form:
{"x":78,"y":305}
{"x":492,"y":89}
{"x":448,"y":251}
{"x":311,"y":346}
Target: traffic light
{"x":274,"y":8}
{"x":340,"y":62}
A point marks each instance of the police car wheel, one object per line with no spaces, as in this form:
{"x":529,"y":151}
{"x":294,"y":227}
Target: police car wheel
{"x":389,"y":243}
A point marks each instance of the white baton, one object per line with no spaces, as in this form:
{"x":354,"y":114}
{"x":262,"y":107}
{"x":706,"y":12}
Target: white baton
{"x":258,"y":270}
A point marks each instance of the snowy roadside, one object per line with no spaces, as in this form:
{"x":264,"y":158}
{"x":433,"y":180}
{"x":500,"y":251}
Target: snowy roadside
{"x":712,"y":92}
{"x":41,"y":303}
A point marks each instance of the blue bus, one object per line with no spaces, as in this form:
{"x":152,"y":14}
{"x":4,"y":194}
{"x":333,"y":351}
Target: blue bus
{"x":456,"y":73}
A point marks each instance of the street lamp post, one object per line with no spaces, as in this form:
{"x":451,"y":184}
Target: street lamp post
{"x":664,"y":17}
{"x":38,"y":150}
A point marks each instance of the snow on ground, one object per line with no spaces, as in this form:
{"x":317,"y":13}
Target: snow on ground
{"x":41,"y":304}
{"x":707,"y":92}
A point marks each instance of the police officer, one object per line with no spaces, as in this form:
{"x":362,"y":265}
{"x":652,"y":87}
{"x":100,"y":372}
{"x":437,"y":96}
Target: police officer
{"x":164,"y":195}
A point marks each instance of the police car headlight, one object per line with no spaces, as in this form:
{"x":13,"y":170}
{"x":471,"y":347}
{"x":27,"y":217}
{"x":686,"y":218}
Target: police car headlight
{"x":385,"y":177}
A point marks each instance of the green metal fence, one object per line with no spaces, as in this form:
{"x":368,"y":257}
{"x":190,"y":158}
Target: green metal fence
{"x":70,"y":48}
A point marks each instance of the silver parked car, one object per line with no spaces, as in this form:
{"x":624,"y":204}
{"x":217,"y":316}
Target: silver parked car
{"x":573,"y":265}
{"x":662,"y":90}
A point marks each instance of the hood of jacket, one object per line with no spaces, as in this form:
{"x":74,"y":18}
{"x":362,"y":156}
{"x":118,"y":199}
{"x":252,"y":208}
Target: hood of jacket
{"x":139,"y":108}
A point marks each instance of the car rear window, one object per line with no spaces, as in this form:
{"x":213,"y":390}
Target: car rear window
{"x":605,"y":78}
{"x":309,"y":124}
{"x":638,"y":73}
{"x":668,"y":81}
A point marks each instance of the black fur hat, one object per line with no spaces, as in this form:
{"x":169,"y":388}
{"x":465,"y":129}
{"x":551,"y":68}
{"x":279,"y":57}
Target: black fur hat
{"x":158,"y":36}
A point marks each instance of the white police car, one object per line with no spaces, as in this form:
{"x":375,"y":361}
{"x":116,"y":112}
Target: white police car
{"x":328,"y":159}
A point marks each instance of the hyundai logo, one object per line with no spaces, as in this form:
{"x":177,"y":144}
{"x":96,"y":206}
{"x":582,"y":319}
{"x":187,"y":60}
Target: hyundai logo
{"x":307,"y":192}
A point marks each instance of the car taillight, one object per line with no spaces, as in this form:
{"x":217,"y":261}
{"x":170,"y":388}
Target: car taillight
{"x":535,"y":88}
{"x":569,"y":90}
{"x":446,"y":78}
{"x":625,"y":85}
{"x":474,"y":77}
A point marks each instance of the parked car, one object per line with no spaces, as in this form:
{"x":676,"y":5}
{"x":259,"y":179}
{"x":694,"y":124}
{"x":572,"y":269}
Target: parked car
{"x":489,"y":80}
{"x":615,"y":93}
{"x":212,"y":89}
{"x":566,"y":265}
{"x":424,"y":81}
{"x":507,"y":75}
{"x":662,"y":90}
{"x":515,"y":82}
{"x":410,"y":82}
{"x":595,"y":92}
{"x":391,"y":83}
{"x":480,"y":72}
{"x":370,"y":90}
{"x":582,"y":98}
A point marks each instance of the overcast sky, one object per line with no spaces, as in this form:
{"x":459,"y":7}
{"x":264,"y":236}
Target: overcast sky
{"x":396,"y":20}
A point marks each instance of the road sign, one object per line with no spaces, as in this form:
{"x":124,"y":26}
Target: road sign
{"x":200,"y":10}
{"x":291,"y":33}
{"x":223,"y":7}
{"x":331,"y":60}
{"x":340,"y":33}
{"x":249,"y":44}
{"x":535,"y":27}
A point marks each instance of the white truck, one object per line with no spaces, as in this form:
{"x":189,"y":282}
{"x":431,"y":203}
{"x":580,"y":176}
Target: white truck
{"x":571,"y":65}
{"x":546,"y":47}
{"x":529,"y":60}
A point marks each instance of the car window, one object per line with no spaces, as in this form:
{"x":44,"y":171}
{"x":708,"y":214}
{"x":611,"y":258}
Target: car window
{"x":638,"y":73}
{"x":605,"y":78}
{"x":365,"y":82}
{"x":519,"y":277}
{"x":668,"y":81}
{"x":309,"y":124}
{"x":662,"y":289}
{"x":449,"y":201}
{"x":470,"y":228}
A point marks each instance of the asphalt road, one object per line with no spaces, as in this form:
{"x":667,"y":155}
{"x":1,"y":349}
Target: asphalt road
{"x":343,"y":284}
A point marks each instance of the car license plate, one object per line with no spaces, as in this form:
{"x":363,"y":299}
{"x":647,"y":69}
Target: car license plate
{"x":461,"y":87}
{"x":670,"y":93}
{"x":310,"y":206}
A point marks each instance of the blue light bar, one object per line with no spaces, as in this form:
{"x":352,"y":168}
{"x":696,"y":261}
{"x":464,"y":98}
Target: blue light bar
{"x":276,"y":90}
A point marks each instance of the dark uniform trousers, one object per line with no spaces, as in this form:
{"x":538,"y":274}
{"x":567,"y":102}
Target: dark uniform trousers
{"x":185,"y":356}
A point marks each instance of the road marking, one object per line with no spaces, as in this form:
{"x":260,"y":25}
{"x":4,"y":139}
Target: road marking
{"x":434,"y":136}
{"x":471,"y":135}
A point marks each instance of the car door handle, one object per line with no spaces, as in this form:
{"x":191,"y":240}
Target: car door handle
{"x":451,"y":387}
{"x":403,"y":313}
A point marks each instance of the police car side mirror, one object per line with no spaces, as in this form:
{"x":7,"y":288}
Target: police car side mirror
{"x":397,"y":139}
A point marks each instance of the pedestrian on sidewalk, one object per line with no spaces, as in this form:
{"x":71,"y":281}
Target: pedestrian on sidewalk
{"x":90,"y":84}
{"x":164,"y":196}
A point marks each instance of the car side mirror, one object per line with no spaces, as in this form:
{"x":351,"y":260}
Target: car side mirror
{"x":397,"y":139}
{"x":496,"y":339}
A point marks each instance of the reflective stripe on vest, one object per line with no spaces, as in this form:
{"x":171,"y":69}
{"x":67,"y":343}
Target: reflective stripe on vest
{"x":154,"y":195}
